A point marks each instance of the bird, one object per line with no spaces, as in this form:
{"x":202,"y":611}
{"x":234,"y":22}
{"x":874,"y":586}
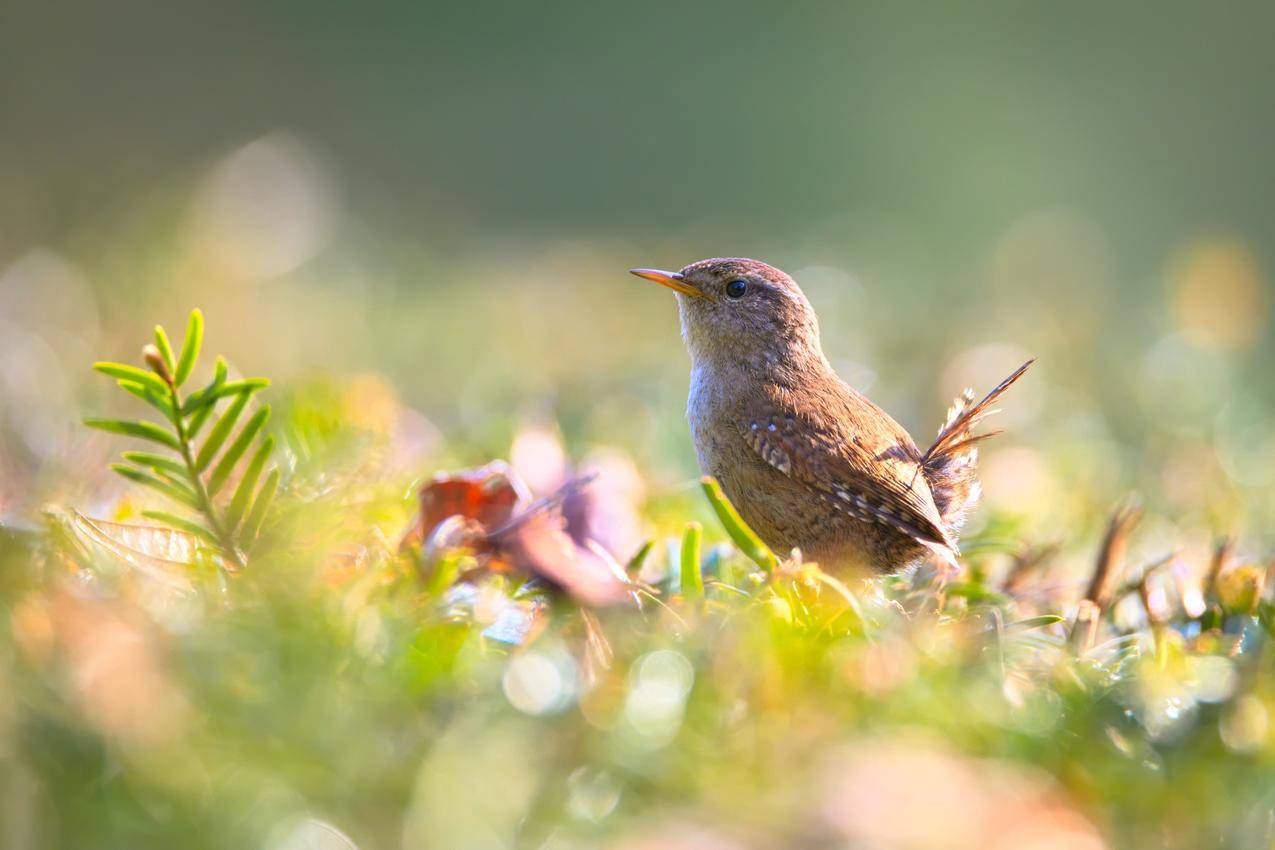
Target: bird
{"x":810,"y":463}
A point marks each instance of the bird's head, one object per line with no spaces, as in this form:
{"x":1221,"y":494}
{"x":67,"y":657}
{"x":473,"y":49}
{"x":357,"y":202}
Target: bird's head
{"x":743,"y":312}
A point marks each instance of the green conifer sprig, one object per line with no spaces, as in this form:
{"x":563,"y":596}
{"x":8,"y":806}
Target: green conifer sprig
{"x":192,"y":473}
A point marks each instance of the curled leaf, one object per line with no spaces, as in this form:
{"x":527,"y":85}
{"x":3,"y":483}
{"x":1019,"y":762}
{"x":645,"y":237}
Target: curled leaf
{"x":540,"y":546}
{"x":488,"y":512}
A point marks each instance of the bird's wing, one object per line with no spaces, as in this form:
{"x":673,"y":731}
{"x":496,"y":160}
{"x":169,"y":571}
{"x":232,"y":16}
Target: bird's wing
{"x":874,"y":483}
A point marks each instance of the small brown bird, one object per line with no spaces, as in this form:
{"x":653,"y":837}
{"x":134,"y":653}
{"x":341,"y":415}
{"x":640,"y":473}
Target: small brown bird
{"x":809,"y":462}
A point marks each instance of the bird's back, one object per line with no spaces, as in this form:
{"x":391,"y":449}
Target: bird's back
{"x":815,"y":465}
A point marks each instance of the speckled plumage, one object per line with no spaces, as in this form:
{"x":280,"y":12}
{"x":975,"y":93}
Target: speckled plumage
{"x":808,"y":461}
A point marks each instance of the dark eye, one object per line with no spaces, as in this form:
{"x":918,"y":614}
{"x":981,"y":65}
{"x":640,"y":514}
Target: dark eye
{"x":736,"y":288}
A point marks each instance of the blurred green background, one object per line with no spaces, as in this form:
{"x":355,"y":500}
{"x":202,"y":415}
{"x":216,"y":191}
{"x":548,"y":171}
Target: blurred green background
{"x":448,"y":196}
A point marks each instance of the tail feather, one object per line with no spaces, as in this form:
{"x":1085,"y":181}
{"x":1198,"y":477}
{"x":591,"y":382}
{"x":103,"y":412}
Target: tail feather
{"x":950,"y":463}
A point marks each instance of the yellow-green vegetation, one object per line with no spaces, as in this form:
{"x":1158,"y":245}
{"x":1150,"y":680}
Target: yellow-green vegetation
{"x":313,"y":657}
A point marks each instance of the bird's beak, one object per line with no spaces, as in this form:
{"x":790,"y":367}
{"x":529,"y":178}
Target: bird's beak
{"x":672,"y":280}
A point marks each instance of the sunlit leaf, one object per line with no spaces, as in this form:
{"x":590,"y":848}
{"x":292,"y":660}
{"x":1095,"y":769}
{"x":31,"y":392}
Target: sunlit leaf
{"x":743,"y":536}
{"x":1037,"y":622}
{"x":159,"y":462}
{"x":162,"y":553}
{"x":692,"y":579}
{"x":226,"y":465}
{"x":170,"y":488}
{"x":159,"y":402}
{"x":243,"y":491}
{"x":142,"y":430}
{"x":201,"y":409}
{"x":190,"y":347}
{"x":217,"y":436}
{"x":124,"y":372}
{"x":252,"y":525}
{"x":217,"y":391}
{"x":165,"y":348}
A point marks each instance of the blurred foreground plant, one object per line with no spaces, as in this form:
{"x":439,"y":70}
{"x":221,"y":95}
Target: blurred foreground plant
{"x":620,"y":697}
{"x":194,"y":473}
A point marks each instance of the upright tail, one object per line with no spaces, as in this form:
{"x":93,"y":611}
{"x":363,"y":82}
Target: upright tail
{"x":949,"y":464}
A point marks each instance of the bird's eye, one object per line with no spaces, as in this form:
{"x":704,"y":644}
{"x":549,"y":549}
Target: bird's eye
{"x":737,"y":288}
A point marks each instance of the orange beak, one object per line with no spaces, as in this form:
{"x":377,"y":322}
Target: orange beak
{"x":672,"y":280}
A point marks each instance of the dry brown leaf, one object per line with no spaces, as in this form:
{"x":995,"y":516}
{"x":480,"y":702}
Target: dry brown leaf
{"x":164,"y":554}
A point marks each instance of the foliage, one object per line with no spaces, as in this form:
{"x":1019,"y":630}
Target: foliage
{"x":467,"y":666}
{"x":227,"y":522}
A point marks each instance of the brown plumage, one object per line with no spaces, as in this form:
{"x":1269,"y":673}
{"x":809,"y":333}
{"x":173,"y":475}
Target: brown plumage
{"x":809,"y":462}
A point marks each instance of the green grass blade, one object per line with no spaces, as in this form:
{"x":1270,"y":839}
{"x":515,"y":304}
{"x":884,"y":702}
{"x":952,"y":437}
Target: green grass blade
{"x":142,"y":430}
{"x":165,"y":348}
{"x":634,"y":566}
{"x":217,"y":436}
{"x":743,"y":536}
{"x":231,"y":456}
{"x":159,"y":463}
{"x":252,"y":525}
{"x":183,"y":524}
{"x":171,"y":489}
{"x":692,"y":579}
{"x":124,"y":372}
{"x":243,"y":492}
{"x":190,"y":347}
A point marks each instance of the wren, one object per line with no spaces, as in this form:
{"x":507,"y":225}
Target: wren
{"x":809,"y":462}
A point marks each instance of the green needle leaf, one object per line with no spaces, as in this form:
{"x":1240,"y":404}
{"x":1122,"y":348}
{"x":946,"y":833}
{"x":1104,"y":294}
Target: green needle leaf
{"x":743,"y":536}
{"x":212,"y":394}
{"x":692,"y":580}
{"x":220,"y":431}
{"x":157,"y":462}
{"x":228,"y":460}
{"x":143,"y":430}
{"x":165,"y":348}
{"x":159,"y":402}
{"x":1036,"y":622}
{"x":202,"y":413}
{"x":243,"y":492}
{"x":124,"y":372}
{"x":257,"y":515}
{"x":190,"y":347}
{"x":170,"y":488}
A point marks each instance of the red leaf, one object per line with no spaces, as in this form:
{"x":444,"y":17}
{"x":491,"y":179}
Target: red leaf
{"x":488,"y":495}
